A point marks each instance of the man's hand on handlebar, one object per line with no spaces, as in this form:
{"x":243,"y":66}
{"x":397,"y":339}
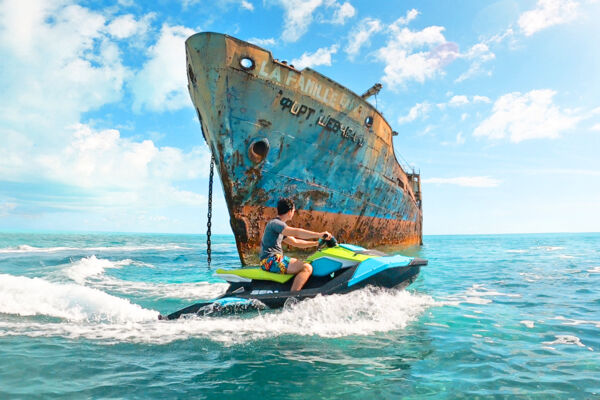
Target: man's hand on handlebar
{"x":325,"y":235}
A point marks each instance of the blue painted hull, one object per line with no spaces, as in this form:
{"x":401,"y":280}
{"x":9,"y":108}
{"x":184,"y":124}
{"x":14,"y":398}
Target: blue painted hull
{"x":279,"y":132}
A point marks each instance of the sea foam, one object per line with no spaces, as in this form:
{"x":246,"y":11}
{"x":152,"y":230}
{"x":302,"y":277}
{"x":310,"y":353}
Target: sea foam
{"x":25,"y":296}
{"x":363,"y":312}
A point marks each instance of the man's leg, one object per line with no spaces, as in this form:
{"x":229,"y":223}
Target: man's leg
{"x":302,"y":270}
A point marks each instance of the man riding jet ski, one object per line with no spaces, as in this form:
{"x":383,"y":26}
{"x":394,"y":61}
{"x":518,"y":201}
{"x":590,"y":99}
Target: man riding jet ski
{"x":336,"y":268}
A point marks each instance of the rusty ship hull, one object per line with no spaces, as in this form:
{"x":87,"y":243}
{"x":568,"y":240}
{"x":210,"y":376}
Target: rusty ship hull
{"x":276,"y":131}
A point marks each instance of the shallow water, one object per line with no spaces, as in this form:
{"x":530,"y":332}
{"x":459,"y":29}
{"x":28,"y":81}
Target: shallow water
{"x":490,"y":316}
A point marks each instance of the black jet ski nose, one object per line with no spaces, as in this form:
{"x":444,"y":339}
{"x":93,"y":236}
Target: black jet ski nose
{"x":418,"y":261}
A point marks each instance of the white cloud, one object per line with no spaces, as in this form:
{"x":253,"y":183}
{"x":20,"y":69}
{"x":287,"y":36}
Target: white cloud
{"x":481,"y":99}
{"x":548,"y":13}
{"x":478,"y":54}
{"x":596,"y":127}
{"x":298,"y":16}
{"x":343,"y":12}
{"x":361,"y":34}
{"x":458,"y":100}
{"x":60,"y":61}
{"x":247,"y":5}
{"x":532,"y":115}
{"x":462,"y":100}
{"x":466,"y":181}
{"x":162,"y":84}
{"x":58,"y":52}
{"x":103,"y":160}
{"x":410,"y":15}
{"x":320,"y":57}
{"x":126,"y":26}
{"x":419,"y":110}
{"x":263,"y":42}
{"x":415,"y":55}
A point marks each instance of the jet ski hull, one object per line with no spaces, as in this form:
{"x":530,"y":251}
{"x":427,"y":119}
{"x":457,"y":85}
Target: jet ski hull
{"x":260,"y":294}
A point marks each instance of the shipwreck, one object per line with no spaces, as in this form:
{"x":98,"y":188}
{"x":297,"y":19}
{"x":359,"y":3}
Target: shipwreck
{"x":276,"y":131}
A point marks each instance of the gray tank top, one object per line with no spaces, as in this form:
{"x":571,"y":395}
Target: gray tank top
{"x":272,"y":237}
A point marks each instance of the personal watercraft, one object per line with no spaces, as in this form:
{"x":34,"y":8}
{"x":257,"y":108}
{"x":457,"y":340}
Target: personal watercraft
{"x":337,"y":269}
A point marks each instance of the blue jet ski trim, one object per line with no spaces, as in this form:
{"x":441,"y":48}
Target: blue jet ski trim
{"x":375,"y":265}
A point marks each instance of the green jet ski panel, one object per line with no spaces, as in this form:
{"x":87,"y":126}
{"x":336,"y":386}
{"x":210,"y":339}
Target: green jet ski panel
{"x":248,"y":274}
{"x":340,"y":253}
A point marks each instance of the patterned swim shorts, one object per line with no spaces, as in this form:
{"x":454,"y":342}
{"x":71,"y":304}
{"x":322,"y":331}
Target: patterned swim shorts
{"x":277,"y":264}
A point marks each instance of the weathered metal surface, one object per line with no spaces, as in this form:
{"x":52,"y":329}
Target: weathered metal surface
{"x":279,"y":132}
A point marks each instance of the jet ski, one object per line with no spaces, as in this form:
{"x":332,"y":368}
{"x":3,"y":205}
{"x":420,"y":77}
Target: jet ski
{"x":337,"y":269}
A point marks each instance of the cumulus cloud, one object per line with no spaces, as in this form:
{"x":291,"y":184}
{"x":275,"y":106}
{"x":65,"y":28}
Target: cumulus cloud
{"x":410,"y":15}
{"x":361,"y":35}
{"x":458,"y":100}
{"x":463,"y":100}
{"x":162,"y":84}
{"x":298,"y":15}
{"x":481,"y":99}
{"x":478,"y":55}
{"x":531,"y":115}
{"x":342,"y":13}
{"x":419,"y":110}
{"x":247,"y":5}
{"x":59,"y":61}
{"x":415,"y":55}
{"x":262,"y":42}
{"x":320,"y":57}
{"x":126,"y":26}
{"x":548,"y":13}
{"x":466,"y":181}
{"x":102,"y":159}
{"x":60,"y":66}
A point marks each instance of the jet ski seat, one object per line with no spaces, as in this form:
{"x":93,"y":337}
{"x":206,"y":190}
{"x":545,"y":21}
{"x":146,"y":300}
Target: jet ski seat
{"x":248,"y":274}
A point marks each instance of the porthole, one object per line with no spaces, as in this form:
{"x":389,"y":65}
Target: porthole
{"x":247,"y":63}
{"x":369,"y":121}
{"x":258,"y":150}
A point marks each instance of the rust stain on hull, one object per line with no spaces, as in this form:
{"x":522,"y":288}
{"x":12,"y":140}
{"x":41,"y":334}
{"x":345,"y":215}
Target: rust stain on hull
{"x":366,"y":231}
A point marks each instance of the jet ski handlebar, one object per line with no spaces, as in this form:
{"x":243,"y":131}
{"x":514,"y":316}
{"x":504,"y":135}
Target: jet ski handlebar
{"x":331,"y":242}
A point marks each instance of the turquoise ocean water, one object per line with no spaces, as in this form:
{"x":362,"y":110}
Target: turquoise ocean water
{"x":502,"y":316}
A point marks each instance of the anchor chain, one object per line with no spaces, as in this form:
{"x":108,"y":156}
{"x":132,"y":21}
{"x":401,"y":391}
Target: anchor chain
{"x":209,"y":216}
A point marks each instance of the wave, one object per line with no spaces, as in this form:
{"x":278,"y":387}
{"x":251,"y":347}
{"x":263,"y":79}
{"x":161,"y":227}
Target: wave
{"x":566,"y":340}
{"x":549,"y":248}
{"x":25,"y":296}
{"x":477,"y":294}
{"x":90,"y":271}
{"x":31,"y":249}
{"x":363,"y":312}
{"x":87,"y":267}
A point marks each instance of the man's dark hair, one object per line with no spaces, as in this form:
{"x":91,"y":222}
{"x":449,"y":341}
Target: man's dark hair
{"x":284,"y":205}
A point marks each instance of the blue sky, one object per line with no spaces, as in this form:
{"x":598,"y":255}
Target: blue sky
{"x":496,"y":102}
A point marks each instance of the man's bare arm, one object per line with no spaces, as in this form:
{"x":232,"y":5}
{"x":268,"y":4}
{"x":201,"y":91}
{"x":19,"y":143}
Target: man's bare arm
{"x":303,"y":233}
{"x":302,"y":244}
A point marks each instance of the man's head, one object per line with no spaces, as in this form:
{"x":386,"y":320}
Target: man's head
{"x":284,"y":206}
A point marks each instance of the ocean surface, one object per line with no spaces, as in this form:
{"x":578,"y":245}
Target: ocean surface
{"x":499,"y":316}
